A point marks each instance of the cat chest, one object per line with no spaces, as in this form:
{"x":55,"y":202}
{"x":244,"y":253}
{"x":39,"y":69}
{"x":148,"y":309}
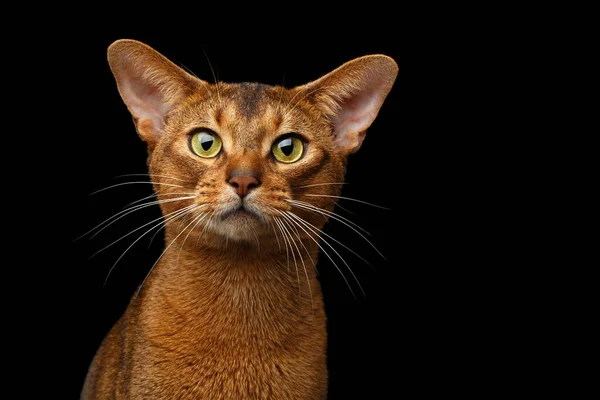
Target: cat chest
{"x":223,"y":369}
{"x":229,"y":358}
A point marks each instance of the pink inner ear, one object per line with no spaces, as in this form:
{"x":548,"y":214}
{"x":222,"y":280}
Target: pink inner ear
{"x":356,"y":115}
{"x":145,"y":102}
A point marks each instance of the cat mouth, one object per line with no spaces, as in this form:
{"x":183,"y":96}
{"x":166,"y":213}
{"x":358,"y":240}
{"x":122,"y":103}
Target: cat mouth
{"x":239,"y":213}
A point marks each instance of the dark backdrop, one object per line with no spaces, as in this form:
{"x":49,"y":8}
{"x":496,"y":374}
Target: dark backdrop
{"x":469,"y":299}
{"x":403,"y":337}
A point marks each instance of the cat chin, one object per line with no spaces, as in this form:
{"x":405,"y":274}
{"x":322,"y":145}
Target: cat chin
{"x":238,"y":226}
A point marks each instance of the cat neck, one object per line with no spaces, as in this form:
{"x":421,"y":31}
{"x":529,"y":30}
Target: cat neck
{"x":212,"y":278}
{"x":215,"y":255}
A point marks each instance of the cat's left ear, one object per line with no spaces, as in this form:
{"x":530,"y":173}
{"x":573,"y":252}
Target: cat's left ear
{"x":351,"y":96}
{"x":150,"y":85}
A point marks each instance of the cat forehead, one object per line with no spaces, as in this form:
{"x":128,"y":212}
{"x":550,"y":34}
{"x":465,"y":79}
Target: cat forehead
{"x":247,"y":112}
{"x":249,"y":99}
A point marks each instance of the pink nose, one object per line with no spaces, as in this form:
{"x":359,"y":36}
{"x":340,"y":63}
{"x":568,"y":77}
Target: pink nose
{"x":243,"y":184}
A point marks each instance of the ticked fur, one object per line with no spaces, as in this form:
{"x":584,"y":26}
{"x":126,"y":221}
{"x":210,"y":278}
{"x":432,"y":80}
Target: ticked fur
{"x":233,"y":308}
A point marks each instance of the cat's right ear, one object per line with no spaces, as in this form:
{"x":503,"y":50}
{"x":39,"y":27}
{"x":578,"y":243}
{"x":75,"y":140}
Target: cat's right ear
{"x":351,"y":96}
{"x":149,"y":84}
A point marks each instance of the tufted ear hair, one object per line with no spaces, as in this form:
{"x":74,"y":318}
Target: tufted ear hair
{"x":149,"y":84}
{"x":351,"y":96}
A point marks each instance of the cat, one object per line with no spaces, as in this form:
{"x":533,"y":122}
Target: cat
{"x":244,"y":174}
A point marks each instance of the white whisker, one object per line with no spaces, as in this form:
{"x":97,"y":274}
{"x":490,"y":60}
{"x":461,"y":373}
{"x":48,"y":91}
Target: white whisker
{"x":321,"y":232}
{"x":321,"y":184}
{"x":168,"y":223}
{"x":177,"y":214}
{"x":276,"y":235}
{"x":285,"y":240}
{"x":163,"y":253}
{"x":137,"y":182}
{"x":309,"y":207}
{"x":298,"y":102}
{"x":301,"y":221}
{"x":210,"y":215}
{"x":161,"y":195}
{"x":346,"y":198}
{"x":106,"y":223}
{"x":214,"y":77}
{"x":286,"y":225}
{"x":201,"y":81}
{"x":186,"y":236}
{"x":155,"y":175}
{"x":292,"y":224}
{"x":141,"y":227}
{"x":341,"y":219}
{"x":256,"y":238}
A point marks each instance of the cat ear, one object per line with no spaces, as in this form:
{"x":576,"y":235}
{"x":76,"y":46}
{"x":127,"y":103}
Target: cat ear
{"x":351,"y":96}
{"x":150,"y":85}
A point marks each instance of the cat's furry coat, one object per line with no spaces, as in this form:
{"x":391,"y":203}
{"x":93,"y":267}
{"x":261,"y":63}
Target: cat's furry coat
{"x":233,"y":309}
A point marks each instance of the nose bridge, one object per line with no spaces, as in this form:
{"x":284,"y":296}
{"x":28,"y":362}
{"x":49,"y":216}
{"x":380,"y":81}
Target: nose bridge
{"x":246,"y":162}
{"x":244,"y":172}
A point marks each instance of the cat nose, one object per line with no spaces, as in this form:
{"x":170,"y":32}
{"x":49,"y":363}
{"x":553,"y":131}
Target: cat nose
{"x":243,"y":184}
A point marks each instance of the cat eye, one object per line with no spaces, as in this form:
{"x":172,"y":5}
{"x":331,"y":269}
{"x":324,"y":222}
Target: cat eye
{"x":206,"y":144}
{"x":288,"y":149}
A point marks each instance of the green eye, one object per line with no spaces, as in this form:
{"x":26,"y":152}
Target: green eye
{"x":288,"y":149}
{"x":206,"y":144}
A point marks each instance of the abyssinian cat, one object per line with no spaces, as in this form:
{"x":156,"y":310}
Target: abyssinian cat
{"x":244,"y":174}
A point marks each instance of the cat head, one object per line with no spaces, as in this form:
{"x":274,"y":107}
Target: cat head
{"x":242,"y":160}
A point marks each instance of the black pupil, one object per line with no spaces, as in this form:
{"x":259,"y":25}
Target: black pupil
{"x":286,"y":146}
{"x":206,"y":141}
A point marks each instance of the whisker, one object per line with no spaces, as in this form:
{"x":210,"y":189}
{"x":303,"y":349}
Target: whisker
{"x":286,"y":223}
{"x":145,"y":198}
{"x":297,"y":235}
{"x":345,"y":198}
{"x":160,"y":224}
{"x":285,"y":240}
{"x":226,"y":242}
{"x":137,"y":182}
{"x":285,"y":112}
{"x":256,"y":239}
{"x":155,"y":175}
{"x":209,"y":222}
{"x":141,"y":227}
{"x":214,"y":76}
{"x":276,"y":236}
{"x":291,"y":223}
{"x":342,"y":220}
{"x":163,"y":253}
{"x":326,"y":253}
{"x":309,"y":207}
{"x":201,"y":80}
{"x":186,"y":236}
{"x":345,"y":209}
{"x":280,"y":102}
{"x":126,"y":212}
{"x":206,"y":224}
{"x":301,"y":221}
{"x":321,"y":184}
{"x":168,"y":223}
{"x":321,"y":232}
{"x":161,"y":195}
{"x":298,"y":102}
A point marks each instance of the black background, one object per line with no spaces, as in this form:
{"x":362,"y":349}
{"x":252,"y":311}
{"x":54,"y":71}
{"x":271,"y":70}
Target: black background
{"x":424,"y":326}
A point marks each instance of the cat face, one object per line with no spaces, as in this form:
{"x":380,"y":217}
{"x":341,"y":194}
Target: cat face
{"x":245,"y":151}
{"x":245,"y":161}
